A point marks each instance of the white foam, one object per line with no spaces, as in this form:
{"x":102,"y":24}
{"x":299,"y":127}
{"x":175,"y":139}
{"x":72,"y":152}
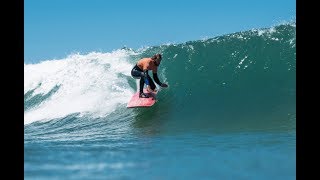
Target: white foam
{"x":241,"y":61}
{"x":93,"y":83}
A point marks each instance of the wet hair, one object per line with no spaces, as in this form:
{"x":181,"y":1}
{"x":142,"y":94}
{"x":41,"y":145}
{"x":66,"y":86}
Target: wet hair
{"x":156,"y":56}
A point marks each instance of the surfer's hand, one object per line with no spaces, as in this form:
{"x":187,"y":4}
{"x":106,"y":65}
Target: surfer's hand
{"x":164,"y":85}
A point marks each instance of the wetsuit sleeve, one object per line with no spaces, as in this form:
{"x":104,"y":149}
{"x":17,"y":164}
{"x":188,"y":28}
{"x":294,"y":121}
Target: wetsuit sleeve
{"x":156,"y":79}
{"x":145,"y":74}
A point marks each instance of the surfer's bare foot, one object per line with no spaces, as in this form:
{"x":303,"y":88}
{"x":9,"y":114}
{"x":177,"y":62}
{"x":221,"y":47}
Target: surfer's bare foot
{"x":143,"y":95}
{"x":152,"y":91}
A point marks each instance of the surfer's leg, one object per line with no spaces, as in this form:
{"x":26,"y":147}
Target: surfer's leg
{"x":136,"y":74}
{"x":141,"y":85}
{"x":142,"y":95}
{"x":152,"y":85}
{"x":139,"y":75}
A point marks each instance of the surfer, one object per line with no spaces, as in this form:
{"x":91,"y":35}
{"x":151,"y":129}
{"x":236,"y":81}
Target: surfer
{"x":140,"y":71}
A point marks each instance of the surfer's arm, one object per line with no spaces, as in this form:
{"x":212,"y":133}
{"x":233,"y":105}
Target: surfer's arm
{"x":156,"y":79}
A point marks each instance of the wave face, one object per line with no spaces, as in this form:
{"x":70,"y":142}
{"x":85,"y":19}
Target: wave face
{"x":244,"y":81}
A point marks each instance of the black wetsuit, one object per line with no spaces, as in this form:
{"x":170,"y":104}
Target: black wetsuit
{"x":144,"y":77}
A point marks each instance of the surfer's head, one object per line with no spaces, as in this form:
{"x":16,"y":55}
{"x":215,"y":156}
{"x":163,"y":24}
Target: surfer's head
{"x":157,"y":59}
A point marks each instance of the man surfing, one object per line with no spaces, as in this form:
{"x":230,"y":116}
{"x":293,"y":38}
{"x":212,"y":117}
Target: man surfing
{"x":140,"y":71}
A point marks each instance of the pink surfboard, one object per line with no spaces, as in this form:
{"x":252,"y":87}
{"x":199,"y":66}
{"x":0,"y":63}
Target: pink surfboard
{"x":136,"y":101}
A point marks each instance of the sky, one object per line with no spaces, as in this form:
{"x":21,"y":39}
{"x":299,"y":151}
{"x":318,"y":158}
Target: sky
{"x":54,"y":29}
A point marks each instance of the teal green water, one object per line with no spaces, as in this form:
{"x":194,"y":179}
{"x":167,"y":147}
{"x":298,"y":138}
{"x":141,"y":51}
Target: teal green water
{"x":229,"y":112}
{"x":244,"y":81}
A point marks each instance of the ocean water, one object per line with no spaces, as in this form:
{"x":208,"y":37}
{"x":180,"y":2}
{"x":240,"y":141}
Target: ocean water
{"x":229,"y":112}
